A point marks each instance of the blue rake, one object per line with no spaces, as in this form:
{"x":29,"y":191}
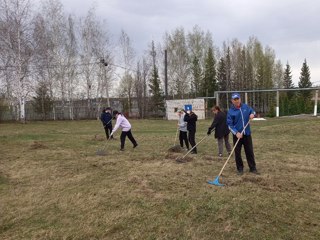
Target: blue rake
{"x":216,"y":180}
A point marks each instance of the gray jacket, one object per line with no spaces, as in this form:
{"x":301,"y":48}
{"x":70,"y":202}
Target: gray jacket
{"x":182,"y":124}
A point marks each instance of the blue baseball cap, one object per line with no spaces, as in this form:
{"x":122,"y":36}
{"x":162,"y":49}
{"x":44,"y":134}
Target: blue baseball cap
{"x":235,"y":95}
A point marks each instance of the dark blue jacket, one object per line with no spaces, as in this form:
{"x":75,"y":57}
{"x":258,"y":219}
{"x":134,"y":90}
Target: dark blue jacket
{"x":237,"y":118}
{"x":106,"y":118}
{"x":191,"y":121}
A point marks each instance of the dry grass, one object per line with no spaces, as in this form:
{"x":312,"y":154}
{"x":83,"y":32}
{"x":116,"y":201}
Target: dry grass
{"x":54,"y":186}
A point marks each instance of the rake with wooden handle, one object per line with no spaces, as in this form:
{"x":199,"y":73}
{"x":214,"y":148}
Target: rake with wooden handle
{"x":216,"y":180}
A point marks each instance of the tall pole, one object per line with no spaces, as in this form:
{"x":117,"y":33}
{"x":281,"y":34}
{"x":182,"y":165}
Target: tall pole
{"x":165,"y":74}
{"x":217,"y":98}
{"x":104,"y":66}
{"x":277,"y":108}
{"x":107,"y":86}
{"x":316,"y":103}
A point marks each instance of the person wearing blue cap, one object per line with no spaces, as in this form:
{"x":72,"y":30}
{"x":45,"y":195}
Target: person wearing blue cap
{"x":191,"y":119}
{"x":238,"y":116}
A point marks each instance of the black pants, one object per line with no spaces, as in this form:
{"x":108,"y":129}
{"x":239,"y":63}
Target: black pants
{"x":123,"y":138}
{"x":183,"y":137}
{"x":246,"y":141}
{"x":108,"y":130}
{"x":192,"y":139}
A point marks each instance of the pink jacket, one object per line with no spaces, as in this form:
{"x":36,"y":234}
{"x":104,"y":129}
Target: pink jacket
{"x":123,"y":123}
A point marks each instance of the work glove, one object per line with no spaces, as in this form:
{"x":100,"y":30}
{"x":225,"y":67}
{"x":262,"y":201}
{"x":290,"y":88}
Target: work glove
{"x":209,"y":131}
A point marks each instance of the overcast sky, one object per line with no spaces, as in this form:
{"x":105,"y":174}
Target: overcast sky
{"x":290,"y":27}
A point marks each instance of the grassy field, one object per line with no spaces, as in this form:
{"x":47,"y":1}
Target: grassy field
{"x":54,"y":186}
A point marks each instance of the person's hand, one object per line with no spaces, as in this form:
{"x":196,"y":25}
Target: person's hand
{"x":251,"y":116}
{"x":239,"y":135}
{"x":209,"y":131}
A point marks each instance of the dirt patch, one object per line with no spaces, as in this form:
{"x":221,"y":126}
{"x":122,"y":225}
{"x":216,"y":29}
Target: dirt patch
{"x":98,"y":138}
{"x":38,"y":145}
{"x":176,"y":149}
{"x":264,"y":183}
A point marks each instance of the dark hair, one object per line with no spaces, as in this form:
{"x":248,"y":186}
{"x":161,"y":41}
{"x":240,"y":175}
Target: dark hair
{"x":115,"y":112}
{"x":103,"y":110}
{"x":216,"y":108}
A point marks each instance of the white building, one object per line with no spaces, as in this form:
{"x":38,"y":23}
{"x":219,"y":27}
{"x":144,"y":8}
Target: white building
{"x":195,"y":105}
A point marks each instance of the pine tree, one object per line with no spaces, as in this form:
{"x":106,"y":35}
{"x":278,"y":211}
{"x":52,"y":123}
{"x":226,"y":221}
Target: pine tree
{"x":42,"y":101}
{"x":287,"y":81}
{"x":222,"y":76}
{"x":197,"y":74}
{"x":210,"y":81}
{"x":222,"y":81}
{"x":305,"y":81}
{"x":157,"y":96}
{"x":287,"y":78}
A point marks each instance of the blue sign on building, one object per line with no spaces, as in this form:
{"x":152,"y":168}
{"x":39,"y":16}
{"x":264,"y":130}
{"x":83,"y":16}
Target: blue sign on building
{"x":188,"y":107}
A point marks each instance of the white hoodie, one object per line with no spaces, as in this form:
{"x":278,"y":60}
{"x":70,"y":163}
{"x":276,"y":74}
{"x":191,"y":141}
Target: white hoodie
{"x":123,"y":123}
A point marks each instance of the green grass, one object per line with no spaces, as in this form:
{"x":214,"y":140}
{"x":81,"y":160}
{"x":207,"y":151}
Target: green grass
{"x":54,"y":186}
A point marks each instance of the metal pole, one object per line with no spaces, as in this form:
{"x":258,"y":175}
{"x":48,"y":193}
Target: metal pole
{"x":316,"y":103}
{"x":217,"y":98}
{"x":277,"y":108}
{"x":107,"y":86}
{"x":246,"y":97}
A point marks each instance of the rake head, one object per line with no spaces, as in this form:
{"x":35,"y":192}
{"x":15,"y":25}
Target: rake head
{"x":101,"y":153}
{"x":216,"y":182}
{"x":175,"y":148}
{"x":181,"y":160}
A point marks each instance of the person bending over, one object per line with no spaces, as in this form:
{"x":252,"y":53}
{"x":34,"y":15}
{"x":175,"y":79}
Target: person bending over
{"x":125,"y":125}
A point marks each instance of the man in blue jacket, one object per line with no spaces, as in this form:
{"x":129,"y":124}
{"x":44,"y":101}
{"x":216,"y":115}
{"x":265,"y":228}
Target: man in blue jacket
{"x":238,"y":116}
{"x":106,"y":119}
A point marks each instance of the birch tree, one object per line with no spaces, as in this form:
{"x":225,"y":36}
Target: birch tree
{"x":178,"y":63}
{"x":127,"y":58}
{"x":95,"y":60}
{"x":16,"y":50}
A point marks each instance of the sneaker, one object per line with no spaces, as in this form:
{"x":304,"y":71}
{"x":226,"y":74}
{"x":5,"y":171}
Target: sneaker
{"x":135,"y":145}
{"x":254,"y":171}
{"x":220,"y":155}
{"x":240,"y":172}
{"x":193,"y":152}
{"x":121,"y":149}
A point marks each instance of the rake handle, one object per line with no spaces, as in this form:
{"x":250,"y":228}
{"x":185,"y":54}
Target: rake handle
{"x":234,"y":147}
{"x":194,"y":147}
{"x":175,"y":139}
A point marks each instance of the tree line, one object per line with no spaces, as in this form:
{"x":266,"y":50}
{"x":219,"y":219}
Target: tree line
{"x":48,"y":55}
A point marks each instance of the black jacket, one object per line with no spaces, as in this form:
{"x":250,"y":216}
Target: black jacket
{"x":106,"y":119}
{"x":191,"y":121}
{"x":220,"y":125}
